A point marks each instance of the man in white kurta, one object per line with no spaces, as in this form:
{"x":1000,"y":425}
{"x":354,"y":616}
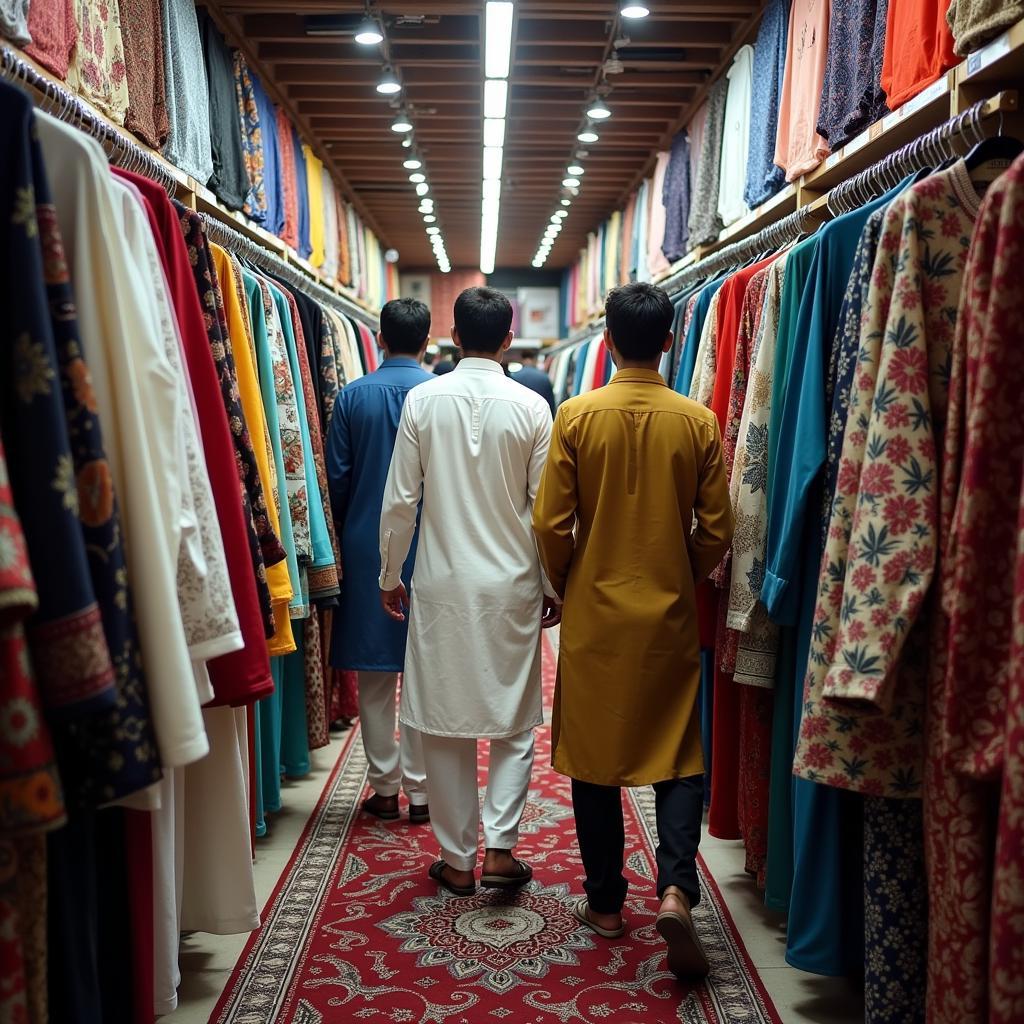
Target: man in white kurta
{"x":472,"y":444}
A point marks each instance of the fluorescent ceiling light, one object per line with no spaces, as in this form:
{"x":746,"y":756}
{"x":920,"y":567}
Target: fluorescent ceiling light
{"x":538,"y":263}
{"x":493,"y":156}
{"x":575,"y":169}
{"x":492,"y":189}
{"x":428,"y":218}
{"x":389,"y":84}
{"x":498,"y":49}
{"x":417,"y":178}
{"x":495,"y":98}
{"x":433,"y":231}
{"x":494,"y":131}
{"x":488,"y":235}
{"x":369,"y":33}
{"x":571,"y":182}
{"x":412,"y":164}
{"x":598,"y":111}
{"x":629,"y":9}
{"x":588,"y":135}
{"x":422,"y":188}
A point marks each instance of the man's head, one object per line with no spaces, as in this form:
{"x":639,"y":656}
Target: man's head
{"x":404,"y":327}
{"x":483,"y":322}
{"x":638,"y":323}
{"x":529,"y":357}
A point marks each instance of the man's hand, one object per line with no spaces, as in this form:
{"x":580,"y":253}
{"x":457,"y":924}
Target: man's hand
{"x":551,"y":612}
{"x":395,"y":602}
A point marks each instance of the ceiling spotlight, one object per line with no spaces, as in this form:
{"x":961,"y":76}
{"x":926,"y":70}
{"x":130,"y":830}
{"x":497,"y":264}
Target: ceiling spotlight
{"x":389,"y":84}
{"x":567,"y":202}
{"x":571,"y":182}
{"x":422,"y":188}
{"x":429,"y":218}
{"x":630,"y":9}
{"x":401,"y":124}
{"x":369,"y":33}
{"x":575,"y":169}
{"x":417,"y":178}
{"x":433,"y":231}
{"x":412,"y":164}
{"x":588,"y":135}
{"x":555,"y":218}
{"x":407,"y":142}
{"x":426,"y":205}
{"x":561,"y":214}
{"x":598,"y":111}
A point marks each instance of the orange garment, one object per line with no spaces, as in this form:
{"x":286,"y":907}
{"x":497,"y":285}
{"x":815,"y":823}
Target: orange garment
{"x":344,"y":256}
{"x":918,"y":48}
{"x":798,"y":146}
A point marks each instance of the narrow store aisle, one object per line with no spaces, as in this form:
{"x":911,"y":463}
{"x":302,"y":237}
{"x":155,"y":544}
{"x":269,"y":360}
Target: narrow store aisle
{"x":356,"y":932}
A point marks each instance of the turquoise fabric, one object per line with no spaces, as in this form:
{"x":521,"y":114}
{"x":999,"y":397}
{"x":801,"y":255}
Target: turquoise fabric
{"x":688,"y":358}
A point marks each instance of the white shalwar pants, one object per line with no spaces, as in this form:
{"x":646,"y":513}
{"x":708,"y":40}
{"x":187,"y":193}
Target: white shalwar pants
{"x":394,"y":763}
{"x":454,"y":795}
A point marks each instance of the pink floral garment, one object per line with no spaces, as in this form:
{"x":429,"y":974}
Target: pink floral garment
{"x":976,"y":698}
{"x":862,"y":726}
{"x":97,"y":69}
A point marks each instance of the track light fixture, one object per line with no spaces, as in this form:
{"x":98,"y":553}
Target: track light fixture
{"x":389,"y":83}
{"x":631,"y":9}
{"x":369,"y":33}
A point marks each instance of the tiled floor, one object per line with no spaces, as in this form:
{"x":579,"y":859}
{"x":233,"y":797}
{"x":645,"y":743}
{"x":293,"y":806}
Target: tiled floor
{"x":207,"y":960}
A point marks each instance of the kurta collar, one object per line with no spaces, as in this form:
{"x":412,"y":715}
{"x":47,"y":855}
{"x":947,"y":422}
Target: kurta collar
{"x":398,"y":361}
{"x":474,"y":363}
{"x":636,"y":376}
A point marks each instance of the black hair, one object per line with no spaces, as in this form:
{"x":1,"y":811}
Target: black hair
{"x":483,"y":318}
{"x":639,"y":317}
{"x":404,"y":325}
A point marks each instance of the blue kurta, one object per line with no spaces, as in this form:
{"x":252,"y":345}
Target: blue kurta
{"x":360,"y":440}
{"x":825,"y":914}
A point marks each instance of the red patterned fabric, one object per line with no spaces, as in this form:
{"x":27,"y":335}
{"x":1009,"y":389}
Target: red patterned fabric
{"x":976,"y":955}
{"x":54,"y":35}
{"x":289,"y":183}
{"x":356,"y":930}
{"x":757,"y":704}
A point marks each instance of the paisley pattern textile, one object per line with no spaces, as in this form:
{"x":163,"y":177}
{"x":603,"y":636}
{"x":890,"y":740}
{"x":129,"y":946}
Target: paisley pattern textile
{"x":255,"y":205}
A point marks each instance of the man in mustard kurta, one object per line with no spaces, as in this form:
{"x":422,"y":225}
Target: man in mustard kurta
{"x":633,"y":512}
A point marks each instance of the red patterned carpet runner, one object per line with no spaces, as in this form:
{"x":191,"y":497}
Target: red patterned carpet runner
{"x":355,"y":931}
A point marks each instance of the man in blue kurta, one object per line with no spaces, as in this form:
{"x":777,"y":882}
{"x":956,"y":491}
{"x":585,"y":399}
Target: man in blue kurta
{"x":360,"y":440}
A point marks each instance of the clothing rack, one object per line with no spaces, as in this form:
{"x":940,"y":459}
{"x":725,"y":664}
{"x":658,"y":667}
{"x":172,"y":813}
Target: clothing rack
{"x":931,"y":149}
{"x":262,"y":257}
{"x":64,"y":105}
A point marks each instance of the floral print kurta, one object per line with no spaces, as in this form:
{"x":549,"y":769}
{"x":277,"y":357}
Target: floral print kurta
{"x":862,"y":723}
{"x":974,"y":707}
{"x":97,"y":68}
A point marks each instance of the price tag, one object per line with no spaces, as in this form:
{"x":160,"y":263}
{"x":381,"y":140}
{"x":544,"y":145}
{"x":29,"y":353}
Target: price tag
{"x":923,"y":98}
{"x":981,"y":59}
{"x":834,"y":159}
{"x":891,"y":120}
{"x":858,"y":143}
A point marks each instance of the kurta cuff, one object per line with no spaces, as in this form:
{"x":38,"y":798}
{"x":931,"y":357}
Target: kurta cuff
{"x":390,"y":580}
{"x":779,"y":598}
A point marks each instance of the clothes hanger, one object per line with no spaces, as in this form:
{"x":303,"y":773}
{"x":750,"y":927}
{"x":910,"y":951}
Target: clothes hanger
{"x":999,"y":147}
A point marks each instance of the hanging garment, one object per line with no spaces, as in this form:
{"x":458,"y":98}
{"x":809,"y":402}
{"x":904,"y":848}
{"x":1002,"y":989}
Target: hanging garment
{"x":852,"y":96}
{"x":230,"y":179}
{"x":973,"y":944}
{"x":705,"y":224}
{"x":676,"y":200}
{"x":975,"y":22}
{"x":142,"y":32}
{"x":764,"y":179}
{"x":289,"y":185}
{"x":305,"y":247}
{"x":659,"y":738}
{"x":97,"y":69}
{"x":127,"y":379}
{"x":14,"y":21}
{"x":362,"y":434}
{"x":54,"y":35}
{"x":255,"y":206}
{"x":479,"y":587}
{"x":918,"y":48}
{"x":189,"y":144}
{"x":799,"y":148}
{"x":736,"y":137}
{"x":240,"y":332}
{"x":656,"y":261}
{"x":331,"y":247}
{"x":315,"y":186}
{"x":272,"y":183}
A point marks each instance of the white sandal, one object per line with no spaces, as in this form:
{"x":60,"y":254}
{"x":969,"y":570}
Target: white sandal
{"x":581,"y":911}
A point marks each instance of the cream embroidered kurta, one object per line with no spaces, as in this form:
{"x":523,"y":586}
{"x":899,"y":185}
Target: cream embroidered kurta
{"x":473,"y":443}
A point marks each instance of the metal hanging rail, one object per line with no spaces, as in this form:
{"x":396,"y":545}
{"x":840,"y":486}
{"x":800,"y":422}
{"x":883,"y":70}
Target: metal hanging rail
{"x":64,"y":105}
{"x":262,"y":257}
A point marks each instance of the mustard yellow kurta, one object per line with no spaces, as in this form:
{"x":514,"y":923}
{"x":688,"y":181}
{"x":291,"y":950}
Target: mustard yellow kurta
{"x":636,"y":470}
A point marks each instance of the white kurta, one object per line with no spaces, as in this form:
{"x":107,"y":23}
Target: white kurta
{"x":473,"y":443}
{"x":736,"y":138}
